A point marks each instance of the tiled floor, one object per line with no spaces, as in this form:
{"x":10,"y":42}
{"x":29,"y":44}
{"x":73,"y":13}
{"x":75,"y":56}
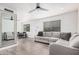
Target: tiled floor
{"x":27,"y":47}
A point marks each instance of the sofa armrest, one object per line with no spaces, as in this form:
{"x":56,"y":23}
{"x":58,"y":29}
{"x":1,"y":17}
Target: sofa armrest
{"x":55,"y":49}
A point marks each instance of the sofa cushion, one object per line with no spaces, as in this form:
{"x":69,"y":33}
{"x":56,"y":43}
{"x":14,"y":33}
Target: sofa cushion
{"x":74,"y":42}
{"x":53,"y":39}
{"x":40,"y":33}
{"x":56,"y":34}
{"x":44,"y":38}
{"x":62,"y":42}
{"x":65,"y":36}
{"x":48,"y":34}
{"x":44,"y":34}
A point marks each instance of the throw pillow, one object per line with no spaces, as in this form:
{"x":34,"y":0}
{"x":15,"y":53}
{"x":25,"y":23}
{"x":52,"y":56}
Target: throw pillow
{"x":65,"y":36}
{"x":73,"y":36}
{"x":40,"y":33}
{"x":75,"y":42}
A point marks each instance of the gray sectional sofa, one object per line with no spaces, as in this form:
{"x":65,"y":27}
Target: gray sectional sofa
{"x":57,"y":49}
{"x":61,"y":43}
{"x":49,"y":37}
{"x":64,"y":47}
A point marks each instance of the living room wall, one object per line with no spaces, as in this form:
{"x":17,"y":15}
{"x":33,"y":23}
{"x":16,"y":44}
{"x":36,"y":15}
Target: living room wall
{"x":68,"y":23}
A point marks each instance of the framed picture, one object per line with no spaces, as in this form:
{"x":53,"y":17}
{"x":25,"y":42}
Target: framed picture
{"x":26,"y":27}
{"x":52,"y":26}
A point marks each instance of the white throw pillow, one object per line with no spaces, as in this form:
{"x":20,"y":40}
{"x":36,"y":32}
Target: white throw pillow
{"x":75,"y":42}
{"x":73,"y":36}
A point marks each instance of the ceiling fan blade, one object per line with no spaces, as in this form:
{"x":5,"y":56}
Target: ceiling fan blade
{"x":44,"y":9}
{"x":32,"y":10}
{"x":38,"y":7}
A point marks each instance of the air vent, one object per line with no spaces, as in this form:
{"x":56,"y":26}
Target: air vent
{"x":8,"y":10}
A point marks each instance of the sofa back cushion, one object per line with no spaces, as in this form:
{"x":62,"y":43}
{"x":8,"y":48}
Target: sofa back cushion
{"x":48,"y":34}
{"x":56,"y":34}
{"x":9,"y":34}
{"x":44,"y":34}
{"x":65,"y":36}
{"x":40,"y":33}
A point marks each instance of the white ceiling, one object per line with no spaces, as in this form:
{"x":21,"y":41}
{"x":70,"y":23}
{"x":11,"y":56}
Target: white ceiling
{"x":50,"y":6}
{"x":53,"y":9}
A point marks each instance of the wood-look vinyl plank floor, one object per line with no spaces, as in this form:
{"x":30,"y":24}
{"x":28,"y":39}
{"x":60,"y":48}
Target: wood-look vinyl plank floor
{"x":27,"y":47}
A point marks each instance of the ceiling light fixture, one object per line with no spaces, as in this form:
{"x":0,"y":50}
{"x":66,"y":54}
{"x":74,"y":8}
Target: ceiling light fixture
{"x":38,"y":7}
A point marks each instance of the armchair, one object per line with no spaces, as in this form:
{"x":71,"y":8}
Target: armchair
{"x":8,"y":36}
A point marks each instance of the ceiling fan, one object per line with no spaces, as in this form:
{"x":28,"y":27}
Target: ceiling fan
{"x":38,"y":7}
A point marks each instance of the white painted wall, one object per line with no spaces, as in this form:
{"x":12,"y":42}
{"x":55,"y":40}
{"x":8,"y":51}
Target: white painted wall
{"x":19,"y":26}
{"x":68,"y":23}
{"x":4,"y":6}
{"x":0,"y":28}
{"x":78,"y":22}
